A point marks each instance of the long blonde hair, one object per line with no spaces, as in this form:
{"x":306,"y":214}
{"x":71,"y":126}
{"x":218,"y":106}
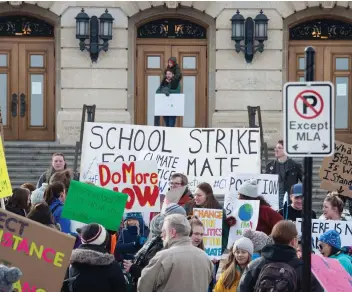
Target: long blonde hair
{"x":230,"y":273}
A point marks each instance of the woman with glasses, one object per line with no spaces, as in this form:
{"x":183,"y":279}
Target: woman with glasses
{"x":329,"y":245}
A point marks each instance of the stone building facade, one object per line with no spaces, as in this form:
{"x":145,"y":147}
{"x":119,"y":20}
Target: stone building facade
{"x":219,"y":82}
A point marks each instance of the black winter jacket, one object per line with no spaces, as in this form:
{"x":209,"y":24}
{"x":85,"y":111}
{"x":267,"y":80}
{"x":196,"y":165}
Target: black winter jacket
{"x":274,"y":253}
{"x":98,"y":271}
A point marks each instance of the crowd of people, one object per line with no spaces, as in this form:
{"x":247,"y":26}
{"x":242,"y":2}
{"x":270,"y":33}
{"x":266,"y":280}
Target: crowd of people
{"x":165,"y":251}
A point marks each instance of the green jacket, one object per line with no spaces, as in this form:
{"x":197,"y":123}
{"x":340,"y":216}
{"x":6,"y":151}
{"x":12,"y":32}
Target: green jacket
{"x":168,"y":87}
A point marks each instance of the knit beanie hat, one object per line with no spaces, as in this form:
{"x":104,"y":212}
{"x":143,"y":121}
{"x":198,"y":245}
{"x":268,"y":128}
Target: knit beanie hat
{"x":156,"y":224}
{"x":174,"y":208}
{"x":133,"y":215}
{"x":249,"y":188}
{"x":37,"y":195}
{"x":258,"y":238}
{"x":94,"y":234}
{"x":8,"y":276}
{"x":332,"y":238}
{"x":245,"y":244}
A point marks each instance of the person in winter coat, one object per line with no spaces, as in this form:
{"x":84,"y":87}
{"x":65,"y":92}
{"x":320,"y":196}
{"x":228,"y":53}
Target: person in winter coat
{"x":283,"y":251}
{"x":197,"y":232}
{"x":19,"y":202}
{"x":267,"y":216}
{"x":179,"y":180}
{"x":333,"y":207}
{"x":55,"y":196}
{"x":329,"y":245}
{"x":8,"y":276}
{"x":92,"y":268}
{"x":41,"y":213}
{"x":237,"y":261}
{"x":175,"y":69}
{"x":259,"y":240}
{"x":58,"y":163}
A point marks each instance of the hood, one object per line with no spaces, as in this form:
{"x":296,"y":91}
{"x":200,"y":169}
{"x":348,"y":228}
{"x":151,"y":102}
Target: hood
{"x":56,"y":202}
{"x":173,"y":59}
{"x":279,"y":252}
{"x":91,"y":257}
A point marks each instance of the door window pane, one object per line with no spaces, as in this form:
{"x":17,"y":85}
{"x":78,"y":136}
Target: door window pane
{"x":37,"y":100}
{"x":37,"y":61}
{"x":341,"y":107}
{"x":301,"y":79}
{"x":153,"y":85}
{"x":189,"y":89}
{"x":189,"y":62}
{"x":153,"y":62}
{"x":3,"y":60}
{"x":301,"y":63}
{"x":3,"y":97}
{"x":341,"y":63}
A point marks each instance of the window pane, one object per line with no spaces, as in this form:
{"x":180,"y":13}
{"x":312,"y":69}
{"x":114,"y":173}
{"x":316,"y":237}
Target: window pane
{"x":301,"y":79}
{"x":3,"y":60}
{"x":341,"y":63}
{"x":153,"y":84}
{"x":189,"y":89}
{"x":153,"y":62}
{"x":37,"y":100}
{"x":341,"y":107}
{"x":189,"y":62}
{"x":3,"y":97}
{"x":301,"y":63}
{"x":37,"y":61}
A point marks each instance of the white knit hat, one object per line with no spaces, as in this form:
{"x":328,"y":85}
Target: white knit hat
{"x":245,"y":244}
{"x":37,"y":195}
{"x":249,"y":188}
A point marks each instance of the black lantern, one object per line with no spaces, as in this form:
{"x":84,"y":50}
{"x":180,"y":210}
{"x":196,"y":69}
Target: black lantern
{"x":106,"y":21}
{"x":94,"y":29}
{"x":249,"y":31}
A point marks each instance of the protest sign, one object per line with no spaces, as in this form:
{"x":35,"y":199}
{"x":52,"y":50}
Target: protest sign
{"x":212,"y":221}
{"x":173,"y":196}
{"x":344,"y":228}
{"x":268,"y":187}
{"x":246,"y":213}
{"x":40,"y":252}
{"x":336,"y":171}
{"x":139,"y":180}
{"x":5,"y":184}
{"x":206,"y":154}
{"x":331,"y":274}
{"x":91,"y":204}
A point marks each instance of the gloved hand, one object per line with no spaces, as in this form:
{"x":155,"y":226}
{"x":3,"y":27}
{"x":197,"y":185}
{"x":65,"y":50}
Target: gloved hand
{"x":231,"y":221}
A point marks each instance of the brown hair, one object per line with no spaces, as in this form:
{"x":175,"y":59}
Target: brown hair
{"x":31,"y":187}
{"x":194,"y":221}
{"x":41,"y":213}
{"x":211,"y":202}
{"x":263,"y":202}
{"x":284,"y":232}
{"x":184,"y":179}
{"x":19,"y":198}
{"x":335,"y":201}
{"x":64,"y":177}
{"x":281,"y":142}
{"x":230,"y":273}
{"x":53,"y":192}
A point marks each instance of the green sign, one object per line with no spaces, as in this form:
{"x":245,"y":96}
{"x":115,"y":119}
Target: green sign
{"x":91,"y":204}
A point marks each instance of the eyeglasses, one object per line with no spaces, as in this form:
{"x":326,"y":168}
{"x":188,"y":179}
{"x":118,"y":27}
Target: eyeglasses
{"x":320,"y":246}
{"x":174,"y":183}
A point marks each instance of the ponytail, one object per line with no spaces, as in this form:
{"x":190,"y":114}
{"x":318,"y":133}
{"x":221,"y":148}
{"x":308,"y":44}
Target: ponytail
{"x":53,"y":192}
{"x":334,"y":199}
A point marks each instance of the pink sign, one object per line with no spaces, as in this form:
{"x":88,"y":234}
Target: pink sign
{"x":331,"y":274}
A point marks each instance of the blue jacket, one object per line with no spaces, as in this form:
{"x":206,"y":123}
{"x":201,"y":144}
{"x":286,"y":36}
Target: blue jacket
{"x":64,"y":223}
{"x":128,"y":244}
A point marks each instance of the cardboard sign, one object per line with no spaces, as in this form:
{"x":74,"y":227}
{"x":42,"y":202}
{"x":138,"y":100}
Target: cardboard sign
{"x":139,"y":180}
{"x":268,"y":187}
{"x":336,"y":171}
{"x":41,"y":253}
{"x":331,"y":274}
{"x":246,"y":213}
{"x":212,"y":221}
{"x":172,"y":196}
{"x":344,"y":228}
{"x":91,"y":204}
{"x":201,"y":154}
{"x":5,"y":184}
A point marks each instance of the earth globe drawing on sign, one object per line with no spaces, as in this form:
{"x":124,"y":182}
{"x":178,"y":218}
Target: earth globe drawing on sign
{"x":245,"y":212}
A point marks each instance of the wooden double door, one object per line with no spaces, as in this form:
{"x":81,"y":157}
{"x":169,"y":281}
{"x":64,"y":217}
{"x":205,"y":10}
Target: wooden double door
{"x":333,"y":62}
{"x":27,"y":88}
{"x":152,"y":58}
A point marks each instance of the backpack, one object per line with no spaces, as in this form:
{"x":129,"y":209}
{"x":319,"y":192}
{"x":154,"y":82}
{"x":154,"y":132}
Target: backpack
{"x":277,"y":277}
{"x":72,"y":276}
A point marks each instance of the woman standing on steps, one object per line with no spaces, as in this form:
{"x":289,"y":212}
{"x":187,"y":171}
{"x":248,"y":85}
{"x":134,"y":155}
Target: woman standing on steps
{"x":58,"y":163}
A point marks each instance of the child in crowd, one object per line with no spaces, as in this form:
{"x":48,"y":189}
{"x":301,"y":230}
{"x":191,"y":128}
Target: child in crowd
{"x":259,"y":240}
{"x":238,"y":260}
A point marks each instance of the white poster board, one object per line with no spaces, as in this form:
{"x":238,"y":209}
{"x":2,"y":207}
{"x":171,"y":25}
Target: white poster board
{"x":212,"y":222}
{"x":172,"y":105}
{"x":344,"y":228}
{"x":268,"y":187}
{"x":202,"y":154}
{"x":246,"y":213}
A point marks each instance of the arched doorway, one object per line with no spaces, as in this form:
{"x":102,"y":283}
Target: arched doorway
{"x":27,"y":78}
{"x":332,"y":40}
{"x":158,"y":40}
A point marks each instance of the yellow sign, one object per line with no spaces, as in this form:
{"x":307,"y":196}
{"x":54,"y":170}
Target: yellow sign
{"x":5,"y":184}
